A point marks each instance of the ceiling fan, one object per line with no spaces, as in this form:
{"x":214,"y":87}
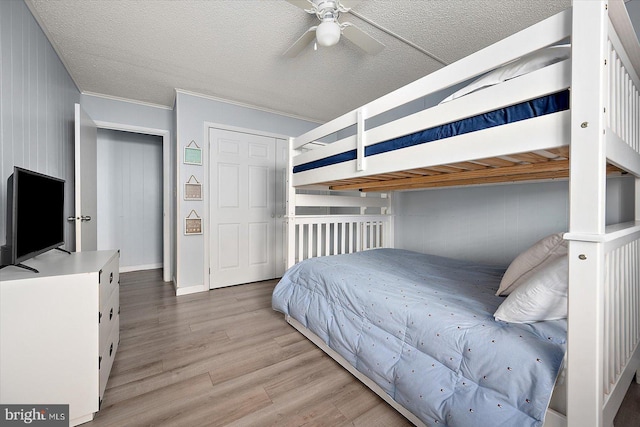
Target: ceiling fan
{"x":328,"y":32}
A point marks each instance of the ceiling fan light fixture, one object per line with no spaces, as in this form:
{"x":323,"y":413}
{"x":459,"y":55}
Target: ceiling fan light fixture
{"x":328,"y":33}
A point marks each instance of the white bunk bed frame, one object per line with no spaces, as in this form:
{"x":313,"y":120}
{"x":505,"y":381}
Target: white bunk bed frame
{"x":602,"y":127}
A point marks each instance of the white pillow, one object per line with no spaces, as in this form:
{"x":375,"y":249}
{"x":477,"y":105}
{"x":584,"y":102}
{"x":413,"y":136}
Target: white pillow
{"x":525,"y":264}
{"x":526,"y":64}
{"x":542,"y":297}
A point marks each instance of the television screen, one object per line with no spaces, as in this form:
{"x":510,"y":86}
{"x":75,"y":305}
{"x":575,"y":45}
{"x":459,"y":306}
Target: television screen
{"x":35,"y":217}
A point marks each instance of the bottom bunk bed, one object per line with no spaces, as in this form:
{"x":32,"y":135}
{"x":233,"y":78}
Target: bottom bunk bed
{"x":419,"y":330}
{"x":433,"y":338}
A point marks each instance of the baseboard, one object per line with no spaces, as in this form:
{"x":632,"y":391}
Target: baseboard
{"x":130,"y":268}
{"x":190,"y":290}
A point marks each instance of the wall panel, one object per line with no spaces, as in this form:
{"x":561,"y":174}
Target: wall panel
{"x":37,"y":98}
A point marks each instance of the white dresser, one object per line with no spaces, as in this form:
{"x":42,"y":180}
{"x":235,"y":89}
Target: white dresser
{"x":59,"y":330}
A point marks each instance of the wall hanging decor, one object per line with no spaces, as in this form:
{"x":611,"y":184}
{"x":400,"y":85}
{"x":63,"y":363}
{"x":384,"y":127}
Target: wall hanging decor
{"x":192,"y":223}
{"x":192,"y":154}
{"x":193,"y":190}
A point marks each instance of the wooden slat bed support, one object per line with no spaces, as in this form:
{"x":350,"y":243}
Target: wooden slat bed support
{"x":460,"y":174}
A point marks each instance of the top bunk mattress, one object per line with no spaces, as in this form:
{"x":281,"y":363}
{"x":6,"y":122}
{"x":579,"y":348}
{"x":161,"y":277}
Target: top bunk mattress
{"x":422,"y":327}
{"x":538,"y":107}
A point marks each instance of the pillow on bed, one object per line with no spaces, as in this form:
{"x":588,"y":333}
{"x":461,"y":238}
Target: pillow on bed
{"x":542,"y":297}
{"x":526,"y":64}
{"x":524,"y":265}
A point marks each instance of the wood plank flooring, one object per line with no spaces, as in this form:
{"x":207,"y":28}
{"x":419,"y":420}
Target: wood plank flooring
{"x":225,"y":358}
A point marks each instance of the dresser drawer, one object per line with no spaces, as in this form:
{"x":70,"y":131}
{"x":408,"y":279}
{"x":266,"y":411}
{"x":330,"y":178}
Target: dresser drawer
{"x":107,"y":356}
{"x":109,"y":318}
{"x":109,"y":279}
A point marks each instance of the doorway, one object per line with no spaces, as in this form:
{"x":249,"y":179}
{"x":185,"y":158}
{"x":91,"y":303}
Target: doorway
{"x":168,"y":214}
{"x":130,"y":197}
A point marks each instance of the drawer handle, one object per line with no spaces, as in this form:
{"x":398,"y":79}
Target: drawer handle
{"x":99,"y":361}
{"x":111,"y":350}
{"x":111,"y":277}
{"x":111,"y":313}
{"x":99,"y":317}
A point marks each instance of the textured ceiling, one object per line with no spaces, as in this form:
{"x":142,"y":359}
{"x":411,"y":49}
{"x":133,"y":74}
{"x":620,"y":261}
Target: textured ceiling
{"x":143,"y":49}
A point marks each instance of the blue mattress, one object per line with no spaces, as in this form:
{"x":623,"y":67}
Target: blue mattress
{"x":422,"y":328}
{"x":526,"y":110}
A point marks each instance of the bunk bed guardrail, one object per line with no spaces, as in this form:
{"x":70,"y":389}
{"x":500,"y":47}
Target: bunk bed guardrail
{"x":335,"y":232}
{"x":545,"y":81}
{"x":339,"y":234}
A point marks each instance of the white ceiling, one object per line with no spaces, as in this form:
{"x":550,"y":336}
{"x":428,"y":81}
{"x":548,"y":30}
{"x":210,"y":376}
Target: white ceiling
{"x":143,"y":49}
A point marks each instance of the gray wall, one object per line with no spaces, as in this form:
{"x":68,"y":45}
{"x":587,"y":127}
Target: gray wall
{"x":131,"y":113}
{"x":192,"y":111}
{"x":37,"y":99}
{"x":130,"y":197}
{"x":633,"y":7}
{"x":493,"y":224}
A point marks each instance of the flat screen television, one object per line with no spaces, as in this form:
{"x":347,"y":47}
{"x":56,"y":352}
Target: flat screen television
{"x":35,"y":216}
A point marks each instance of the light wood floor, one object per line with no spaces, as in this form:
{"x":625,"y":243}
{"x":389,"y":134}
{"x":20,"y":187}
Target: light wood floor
{"x":225,"y":358}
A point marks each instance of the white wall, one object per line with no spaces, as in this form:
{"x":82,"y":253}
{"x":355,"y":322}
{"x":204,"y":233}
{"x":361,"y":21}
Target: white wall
{"x":37,"y":99}
{"x":493,"y":224}
{"x":129,"y":188}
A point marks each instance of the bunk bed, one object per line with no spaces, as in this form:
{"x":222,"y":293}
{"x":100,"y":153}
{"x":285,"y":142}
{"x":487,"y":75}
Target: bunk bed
{"x":592,"y":130}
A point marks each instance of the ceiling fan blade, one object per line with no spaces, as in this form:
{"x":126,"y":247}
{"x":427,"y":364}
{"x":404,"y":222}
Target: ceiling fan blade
{"x":348,"y":3}
{"x":361,"y":39}
{"x":301,"y":43}
{"x":302,"y":4}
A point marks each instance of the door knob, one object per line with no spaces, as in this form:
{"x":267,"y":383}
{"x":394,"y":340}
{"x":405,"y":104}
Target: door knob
{"x":81,"y":218}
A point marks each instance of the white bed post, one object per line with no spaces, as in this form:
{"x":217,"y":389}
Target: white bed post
{"x":291,"y":210}
{"x":637,"y":217}
{"x":361,"y":160}
{"x":587,"y":215}
{"x":390,"y":234}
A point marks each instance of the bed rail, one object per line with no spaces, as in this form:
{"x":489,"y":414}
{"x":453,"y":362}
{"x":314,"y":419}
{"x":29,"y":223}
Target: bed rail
{"x":619,"y":322}
{"x":621,"y":314}
{"x":543,"y":82}
{"x":542,"y":34}
{"x":321,"y":223}
{"x":338,"y":234}
{"x":622,"y":118}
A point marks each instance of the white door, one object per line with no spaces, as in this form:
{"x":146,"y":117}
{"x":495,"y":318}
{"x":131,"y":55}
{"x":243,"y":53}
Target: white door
{"x":282,"y":160}
{"x":242,"y":208}
{"x":86,"y":205}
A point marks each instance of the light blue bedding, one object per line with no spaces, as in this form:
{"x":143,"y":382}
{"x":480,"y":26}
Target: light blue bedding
{"x":422,"y":328}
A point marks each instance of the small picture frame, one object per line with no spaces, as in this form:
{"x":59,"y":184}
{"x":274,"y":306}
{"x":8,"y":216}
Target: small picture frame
{"x":192,"y":154}
{"x":192,"y":190}
{"x":192,"y":225}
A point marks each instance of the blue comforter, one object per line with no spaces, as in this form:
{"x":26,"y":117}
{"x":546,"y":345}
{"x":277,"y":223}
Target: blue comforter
{"x":422,"y":328}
